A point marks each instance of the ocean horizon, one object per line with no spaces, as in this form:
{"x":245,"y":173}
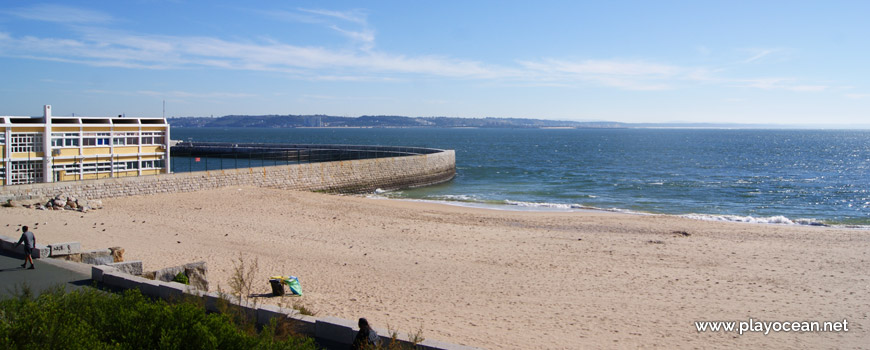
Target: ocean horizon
{"x":802,"y":177}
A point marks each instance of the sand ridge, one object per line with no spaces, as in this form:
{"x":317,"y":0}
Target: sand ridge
{"x":500,"y":279}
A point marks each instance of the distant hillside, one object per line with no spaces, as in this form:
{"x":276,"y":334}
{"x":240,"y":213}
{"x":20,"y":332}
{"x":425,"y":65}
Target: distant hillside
{"x":380,"y":121}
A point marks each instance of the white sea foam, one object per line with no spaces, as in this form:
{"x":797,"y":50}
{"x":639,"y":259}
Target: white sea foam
{"x":456,"y":197}
{"x":779,"y":219}
{"x":545,"y":205}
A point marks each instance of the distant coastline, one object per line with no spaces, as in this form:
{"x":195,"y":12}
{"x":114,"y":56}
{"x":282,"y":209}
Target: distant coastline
{"x":386,"y":121}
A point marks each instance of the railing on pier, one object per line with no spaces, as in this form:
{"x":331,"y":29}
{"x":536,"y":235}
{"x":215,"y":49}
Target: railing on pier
{"x":205,"y":156}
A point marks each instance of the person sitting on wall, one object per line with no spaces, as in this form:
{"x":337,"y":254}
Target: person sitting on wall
{"x":366,"y":338}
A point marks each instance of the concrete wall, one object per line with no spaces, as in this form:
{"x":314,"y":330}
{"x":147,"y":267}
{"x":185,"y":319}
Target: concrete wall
{"x":350,"y":176}
{"x":335,"y":331}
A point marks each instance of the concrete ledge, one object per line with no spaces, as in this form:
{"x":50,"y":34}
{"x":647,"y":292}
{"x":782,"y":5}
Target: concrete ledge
{"x":97,"y":272}
{"x":213,"y":301}
{"x":98,"y":257}
{"x":303,"y":324}
{"x":130,"y":267}
{"x":267,"y":312}
{"x":66,"y":248}
{"x":247,"y":310}
{"x":146,"y":286}
{"x":117,"y":279}
{"x":330,"y":329}
{"x":336,"y":329}
{"x":38,"y":252}
{"x":172,"y":291}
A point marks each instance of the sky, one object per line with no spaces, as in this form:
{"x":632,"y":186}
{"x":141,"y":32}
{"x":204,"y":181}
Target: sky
{"x":768,"y":62}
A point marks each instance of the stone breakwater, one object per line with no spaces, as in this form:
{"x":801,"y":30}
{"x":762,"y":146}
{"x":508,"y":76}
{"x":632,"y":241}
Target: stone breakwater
{"x":348,"y":176}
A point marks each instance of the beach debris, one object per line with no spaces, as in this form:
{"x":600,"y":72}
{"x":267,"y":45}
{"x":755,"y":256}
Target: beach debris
{"x":655,"y":241}
{"x":682,"y":233}
{"x":64,"y":202}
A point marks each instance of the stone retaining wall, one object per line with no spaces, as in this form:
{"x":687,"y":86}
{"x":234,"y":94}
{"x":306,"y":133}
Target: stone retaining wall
{"x":338,"y":332}
{"x":349,"y":176}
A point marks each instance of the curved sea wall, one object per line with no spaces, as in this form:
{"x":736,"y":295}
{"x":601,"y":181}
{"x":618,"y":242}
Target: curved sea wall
{"x":345,"y":176}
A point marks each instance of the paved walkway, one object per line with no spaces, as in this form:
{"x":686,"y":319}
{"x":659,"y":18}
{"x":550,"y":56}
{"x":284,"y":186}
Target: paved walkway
{"x":48,"y":273}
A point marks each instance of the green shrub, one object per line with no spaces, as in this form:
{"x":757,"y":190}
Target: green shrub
{"x":181,"y":278}
{"x":92,"y":319}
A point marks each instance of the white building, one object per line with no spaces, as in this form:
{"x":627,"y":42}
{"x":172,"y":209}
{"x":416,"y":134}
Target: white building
{"x":50,"y":148}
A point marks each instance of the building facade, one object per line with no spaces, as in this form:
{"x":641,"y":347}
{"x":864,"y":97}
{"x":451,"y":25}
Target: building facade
{"x":51,"y":149}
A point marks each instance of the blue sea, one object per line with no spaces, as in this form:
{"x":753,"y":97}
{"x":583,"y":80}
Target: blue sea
{"x":804,"y":177}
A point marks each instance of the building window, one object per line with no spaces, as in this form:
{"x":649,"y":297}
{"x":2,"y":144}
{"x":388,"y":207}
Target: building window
{"x":101,"y":167}
{"x":25,"y":172}
{"x":22,"y":142}
{"x":67,"y":139}
{"x":96,"y":138}
{"x":69,"y":168}
{"x":153,"y":164}
{"x":125,"y":138}
{"x":153,"y":137}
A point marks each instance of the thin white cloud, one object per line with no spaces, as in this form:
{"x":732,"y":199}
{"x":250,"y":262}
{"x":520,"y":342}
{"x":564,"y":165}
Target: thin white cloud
{"x":187,"y":94}
{"x":758,"y":54}
{"x":366,"y":37}
{"x":620,"y":74}
{"x":60,"y":14}
{"x":355,"y":16}
{"x":858,"y":96}
{"x":780,"y":84}
{"x":117,"y":49}
{"x":105,"y":47}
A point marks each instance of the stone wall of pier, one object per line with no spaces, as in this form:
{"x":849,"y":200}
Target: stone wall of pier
{"x":349,"y":176}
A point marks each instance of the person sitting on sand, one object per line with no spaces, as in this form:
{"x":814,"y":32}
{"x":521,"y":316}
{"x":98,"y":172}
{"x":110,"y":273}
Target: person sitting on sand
{"x":366,"y":338}
{"x":29,"y":242}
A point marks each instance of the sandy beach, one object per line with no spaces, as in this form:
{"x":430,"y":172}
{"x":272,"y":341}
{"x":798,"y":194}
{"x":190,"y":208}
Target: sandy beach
{"x":500,"y":279}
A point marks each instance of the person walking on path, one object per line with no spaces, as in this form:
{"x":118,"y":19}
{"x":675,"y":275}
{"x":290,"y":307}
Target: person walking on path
{"x":366,"y":338}
{"x":29,"y":242}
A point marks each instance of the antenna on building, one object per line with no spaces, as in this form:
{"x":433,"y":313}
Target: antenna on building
{"x":164,"y":109}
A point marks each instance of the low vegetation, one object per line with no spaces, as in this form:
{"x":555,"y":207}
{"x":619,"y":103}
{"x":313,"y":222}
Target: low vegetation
{"x":92,"y":319}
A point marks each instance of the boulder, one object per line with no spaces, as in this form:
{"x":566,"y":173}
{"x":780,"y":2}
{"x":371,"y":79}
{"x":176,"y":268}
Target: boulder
{"x":196,"y":274}
{"x":117,"y":254}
